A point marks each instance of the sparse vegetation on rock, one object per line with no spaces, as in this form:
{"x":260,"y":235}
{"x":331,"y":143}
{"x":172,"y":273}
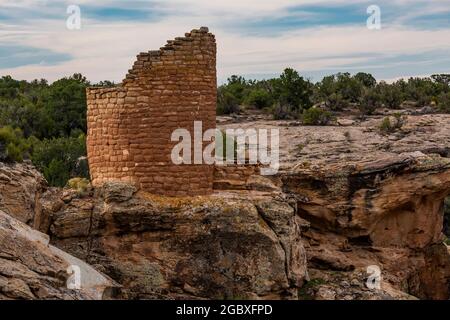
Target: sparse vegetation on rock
{"x":316,"y":116}
{"x":81,"y":185}
{"x":392,"y":124}
{"x":289,"y":95}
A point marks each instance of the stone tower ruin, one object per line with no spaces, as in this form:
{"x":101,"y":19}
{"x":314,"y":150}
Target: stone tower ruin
{"x":130,"y":126}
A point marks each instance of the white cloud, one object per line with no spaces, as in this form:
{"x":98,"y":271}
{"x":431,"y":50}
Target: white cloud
{"x":107,"y":50}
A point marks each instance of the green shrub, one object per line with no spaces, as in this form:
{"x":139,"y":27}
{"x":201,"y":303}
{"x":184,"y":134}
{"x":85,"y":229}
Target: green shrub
{"x":390,"y":94}
{"x":369,"y":102}
{"x":342,"y":89}
{"x":59,"y":158}
{"x":443,"y":102}
{"x":292,"y":90}
{"x":349,"y":87}
{"x":65,"y":103}
{"x":227,"y":103}
{"x":387,"y":126}
{"x":284,"y":112}
{"x":420,"y":90}
{"x":57,"y":172}
{"x":81,"y":185}
{"x":13,"y":146}
{"x":366,"y":79}
{"x":259,"y":98}
{"x":336,"y":102}
{"x":317,"y":117}
{"x":231,"y":95}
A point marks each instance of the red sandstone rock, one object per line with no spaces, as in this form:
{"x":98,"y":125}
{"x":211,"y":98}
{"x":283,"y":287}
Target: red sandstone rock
{"x":32,"y":269}
{"x":21,"y":186}
{"x":223,"y":247}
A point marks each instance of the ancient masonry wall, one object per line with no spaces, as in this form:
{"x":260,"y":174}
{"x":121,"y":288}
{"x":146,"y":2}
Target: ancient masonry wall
{"x":130,"y":126}
{"x":234,"y":177}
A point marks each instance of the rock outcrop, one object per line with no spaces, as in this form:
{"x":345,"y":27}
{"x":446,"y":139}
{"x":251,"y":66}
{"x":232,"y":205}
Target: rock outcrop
{"x":387,"y":213}
{"x":21,"y":187}
{"x":226,"y":246}
{"x":250,"y":243}
{"x":30,"y":268}
{"x":371,"y":199}
{"x":396,"y":201}
{"x":347,"y":203}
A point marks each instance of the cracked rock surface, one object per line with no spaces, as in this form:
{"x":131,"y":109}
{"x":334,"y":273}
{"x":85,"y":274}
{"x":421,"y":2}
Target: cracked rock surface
{"x":346,"y":198}
{"x":32,"y":269}
{"x":226,"y":246}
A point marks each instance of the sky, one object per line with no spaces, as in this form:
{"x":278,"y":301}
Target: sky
{"x":256,"y":38}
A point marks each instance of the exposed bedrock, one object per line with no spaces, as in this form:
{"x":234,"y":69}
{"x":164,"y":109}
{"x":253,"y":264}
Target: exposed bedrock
{"x":227,"y":246}
{"x":32,"y":269}
{"x":21,"y":187}
{"x":396,"y":201}
{"x":388,"y":213}
{"x":319,"y":225}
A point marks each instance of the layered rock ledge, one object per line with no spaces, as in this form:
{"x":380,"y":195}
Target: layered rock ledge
{"x":387,"y":213}
{"x":32,"y":269}
{"x":227,"y":246}
{"x":341,"y":203}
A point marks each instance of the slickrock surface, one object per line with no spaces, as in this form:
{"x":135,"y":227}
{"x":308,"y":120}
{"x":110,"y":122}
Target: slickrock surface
{"x":223,"y":247}
{"x":343,"y":202}
{"x":32,"y":269}
{"x":21,"y":186}
{"x":353,"y":142}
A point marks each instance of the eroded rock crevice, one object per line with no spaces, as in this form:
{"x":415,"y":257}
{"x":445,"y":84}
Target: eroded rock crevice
{"x":312,"y":231}
{"x":388,"y":213}
{"x":292,"y":240}
{"x":205,"y":247}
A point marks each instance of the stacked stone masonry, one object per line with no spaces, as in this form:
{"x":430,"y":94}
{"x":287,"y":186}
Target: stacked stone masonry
{"x":130,"y":126}
{"x":234,"y":177}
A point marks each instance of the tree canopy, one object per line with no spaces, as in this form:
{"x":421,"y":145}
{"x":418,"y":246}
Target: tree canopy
{"x":46,"y":123}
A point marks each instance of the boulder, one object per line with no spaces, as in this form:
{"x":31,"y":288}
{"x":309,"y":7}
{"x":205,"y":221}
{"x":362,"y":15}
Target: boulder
{"x":224,"y":246}
{"x":388,"y":213}
{"x":31,"y":269}
{"x":21,"y":186}
{"x":394,"y":201}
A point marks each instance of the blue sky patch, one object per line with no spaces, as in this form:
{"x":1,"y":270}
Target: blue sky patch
{"x":277,"y":31}
{"x":13,"y":56}
{"x":146,"y":14}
